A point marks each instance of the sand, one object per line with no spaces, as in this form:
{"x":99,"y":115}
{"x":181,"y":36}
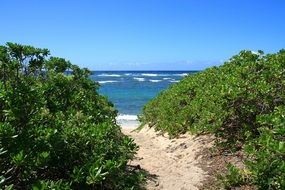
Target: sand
{"x":172,"y":164}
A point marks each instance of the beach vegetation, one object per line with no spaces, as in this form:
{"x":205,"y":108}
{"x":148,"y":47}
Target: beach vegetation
{"x":56,"y":131}
{"x":242,"y":103}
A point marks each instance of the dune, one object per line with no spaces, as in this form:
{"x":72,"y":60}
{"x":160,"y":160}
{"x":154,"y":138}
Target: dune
{"x":171,"y":163}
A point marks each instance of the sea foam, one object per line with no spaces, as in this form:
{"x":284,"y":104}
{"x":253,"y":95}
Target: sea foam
{"x":127,"y":117}
{"x":155,"y":80}
{"x":109,"y":75}
{"x":107,"y":81}
{"x":149,"y":74}
{"x":139,"y":79}
{"x":182,"y":74}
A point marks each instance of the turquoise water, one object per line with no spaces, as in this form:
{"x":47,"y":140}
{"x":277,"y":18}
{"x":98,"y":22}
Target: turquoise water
{"x":130,"y":90}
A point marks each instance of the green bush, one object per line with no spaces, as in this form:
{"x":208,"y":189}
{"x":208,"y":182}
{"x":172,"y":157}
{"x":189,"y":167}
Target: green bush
{"x":234,"y":177}
{"x":267,"y":152}
{"x":224,"y":100}
{"x":56,"y":131}
{"x":236,"y":102}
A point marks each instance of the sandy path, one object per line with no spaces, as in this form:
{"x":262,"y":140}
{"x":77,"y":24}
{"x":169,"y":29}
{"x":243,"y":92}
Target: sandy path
{"x":174,"y":164}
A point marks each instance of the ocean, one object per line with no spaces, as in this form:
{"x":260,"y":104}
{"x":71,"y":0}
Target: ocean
{"x":130,"y":90}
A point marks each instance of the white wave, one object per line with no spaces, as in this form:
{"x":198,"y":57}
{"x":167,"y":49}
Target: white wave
{"x":182,"y":74}
{"x":109,"y":75}
{"x":149,"y":74}
{"x":174,"y":81}
{"x":127,"y":117}
{"x":127,"y":74}
{"x":139,"y":79}
{"x":167,"y":78}
{"x":155,"y":80}
{"x":107,"y":81}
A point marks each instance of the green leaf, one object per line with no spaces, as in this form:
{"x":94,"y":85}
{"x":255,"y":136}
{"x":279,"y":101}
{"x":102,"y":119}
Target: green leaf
{"x":281,"y":146}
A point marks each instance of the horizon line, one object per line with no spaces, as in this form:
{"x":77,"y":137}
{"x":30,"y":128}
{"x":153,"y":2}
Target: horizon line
{"x":143,"y":70}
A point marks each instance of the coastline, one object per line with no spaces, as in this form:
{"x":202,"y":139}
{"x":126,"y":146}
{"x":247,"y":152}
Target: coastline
{"x":128,"y":121}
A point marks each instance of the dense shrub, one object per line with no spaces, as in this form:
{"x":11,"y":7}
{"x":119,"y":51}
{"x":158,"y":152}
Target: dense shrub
{"x":267,"y":152}
{"x":56,"y":131}
{"x":224,"y":100}
{"x":235,"y":102}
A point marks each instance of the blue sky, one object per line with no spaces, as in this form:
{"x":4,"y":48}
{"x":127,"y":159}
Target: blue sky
{"x":145,"y":34}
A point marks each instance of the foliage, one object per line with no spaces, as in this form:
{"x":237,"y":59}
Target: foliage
{"x":56,"y":131}
{"x":267,"y":164}
{"x":236,"y":102}
{"x":234,"y":177}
